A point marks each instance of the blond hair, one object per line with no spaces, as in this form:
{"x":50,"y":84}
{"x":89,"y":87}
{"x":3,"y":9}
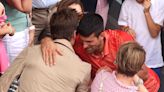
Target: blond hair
{"x":130,"y":58}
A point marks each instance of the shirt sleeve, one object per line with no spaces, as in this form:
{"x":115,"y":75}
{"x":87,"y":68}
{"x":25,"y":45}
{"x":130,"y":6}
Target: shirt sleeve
{"x":123,"y":17}
{"x":13,"y":71}
{"x":158,"y":15}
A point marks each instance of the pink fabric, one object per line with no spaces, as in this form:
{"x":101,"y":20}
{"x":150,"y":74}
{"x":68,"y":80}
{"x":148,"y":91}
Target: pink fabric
{"x":102,"y":9}
{"x":3,"y":18}
{"x":109,"y":83}
{"x":4,"y":62}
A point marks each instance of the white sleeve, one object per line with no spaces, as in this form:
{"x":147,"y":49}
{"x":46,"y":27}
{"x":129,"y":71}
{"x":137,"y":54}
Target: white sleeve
{"x":123,"y":17}
{"x":159,"y":13}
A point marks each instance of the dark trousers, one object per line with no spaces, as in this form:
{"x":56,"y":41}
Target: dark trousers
{"x":89,"y":5}
{"x":162,"y":69}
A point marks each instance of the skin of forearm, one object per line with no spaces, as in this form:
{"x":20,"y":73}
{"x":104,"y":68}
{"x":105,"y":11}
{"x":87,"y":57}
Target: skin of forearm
{"x":154,"y":28}
{"x":21,"y":5}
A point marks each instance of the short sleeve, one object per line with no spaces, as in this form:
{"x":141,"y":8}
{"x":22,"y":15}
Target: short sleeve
{"x":123,"y":17}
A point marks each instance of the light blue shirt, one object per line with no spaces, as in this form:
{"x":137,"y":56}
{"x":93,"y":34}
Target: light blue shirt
{"x":17,"y":19}
{"x":43,"y":3}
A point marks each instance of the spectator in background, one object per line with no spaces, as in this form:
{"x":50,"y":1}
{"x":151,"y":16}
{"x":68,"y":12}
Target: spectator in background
{"x":147,"y":27}
{"x":16,"y":11}
{"x":161,"y":5}
{"x":41,"y":11}
{"x":108,"y":9}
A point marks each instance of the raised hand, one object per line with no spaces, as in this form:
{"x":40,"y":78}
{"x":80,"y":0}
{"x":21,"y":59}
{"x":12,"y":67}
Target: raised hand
{"x":147,"y":5}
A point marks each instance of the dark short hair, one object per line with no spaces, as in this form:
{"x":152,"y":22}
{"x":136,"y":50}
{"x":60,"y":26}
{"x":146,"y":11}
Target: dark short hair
{"x":89,"y":24}
{"x":63,"y":24}
{"x":130,"y":58}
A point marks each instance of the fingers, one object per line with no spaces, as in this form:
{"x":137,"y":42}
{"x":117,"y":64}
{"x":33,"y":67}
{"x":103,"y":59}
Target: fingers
{"x":59,"y":51}
{"x":44,"y":54}
{"x":147,"y":4}
{"x":53,"y":58}
{"x":50,"y":58}
{"x":49,"y":51}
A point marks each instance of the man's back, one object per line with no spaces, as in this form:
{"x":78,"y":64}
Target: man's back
{"x":69,"y":74}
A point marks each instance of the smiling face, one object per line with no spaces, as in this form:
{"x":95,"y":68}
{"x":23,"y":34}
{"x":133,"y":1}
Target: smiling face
{"x":92,"y":44}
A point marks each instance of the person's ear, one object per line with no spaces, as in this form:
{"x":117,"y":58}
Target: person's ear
{"x":102,"y":35}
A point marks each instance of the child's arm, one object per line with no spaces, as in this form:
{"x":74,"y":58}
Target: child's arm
{"x":21,"y":5}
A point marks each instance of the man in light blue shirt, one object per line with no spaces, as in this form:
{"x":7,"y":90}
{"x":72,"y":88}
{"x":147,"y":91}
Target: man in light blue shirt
{"x":41,"y":12}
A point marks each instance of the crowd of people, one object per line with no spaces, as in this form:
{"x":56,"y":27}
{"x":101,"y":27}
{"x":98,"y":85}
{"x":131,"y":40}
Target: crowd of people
{"x":81,"y":45}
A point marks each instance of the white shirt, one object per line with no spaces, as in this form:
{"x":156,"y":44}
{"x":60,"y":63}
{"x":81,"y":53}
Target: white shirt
{"x":132,"y":15}
{"x":43,"y":3}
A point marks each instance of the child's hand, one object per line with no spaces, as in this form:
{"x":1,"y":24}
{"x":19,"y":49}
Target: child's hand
{"x":10,"y":29}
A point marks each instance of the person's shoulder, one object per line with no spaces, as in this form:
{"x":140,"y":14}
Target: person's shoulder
{"x":83,"y":64}
{"x":129,"y":1}
{"x":116,"y":32}
{"x":34,"y":47}
{"x":86,"y":67}
{"x":33,"y":50}
{"x":119,"y":34}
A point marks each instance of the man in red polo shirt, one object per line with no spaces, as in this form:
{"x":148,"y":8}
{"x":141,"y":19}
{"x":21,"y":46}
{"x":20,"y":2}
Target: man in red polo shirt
{"x":99,"y":47}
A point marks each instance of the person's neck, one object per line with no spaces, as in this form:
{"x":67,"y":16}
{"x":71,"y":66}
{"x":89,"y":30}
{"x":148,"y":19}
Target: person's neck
{"x":125,"y":79}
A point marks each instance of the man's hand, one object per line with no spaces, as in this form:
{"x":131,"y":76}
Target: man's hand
{"x":147,"y":5}
{"x":49,"y":51}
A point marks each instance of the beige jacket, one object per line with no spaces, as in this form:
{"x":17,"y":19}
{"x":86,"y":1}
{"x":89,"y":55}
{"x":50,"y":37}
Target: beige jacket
{"x":69,"y":74}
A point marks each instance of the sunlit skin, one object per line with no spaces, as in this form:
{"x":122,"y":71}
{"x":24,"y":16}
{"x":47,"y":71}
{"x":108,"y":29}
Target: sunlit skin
{"x":93,"y":44}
